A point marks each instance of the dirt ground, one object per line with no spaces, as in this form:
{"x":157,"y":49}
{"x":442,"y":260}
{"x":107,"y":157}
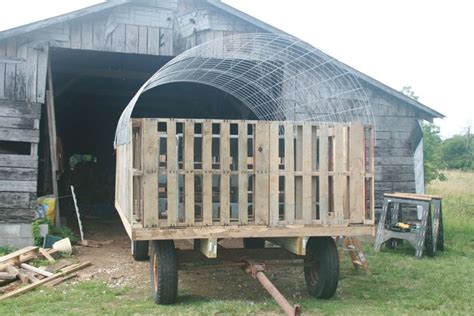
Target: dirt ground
{"x":113,"y":264}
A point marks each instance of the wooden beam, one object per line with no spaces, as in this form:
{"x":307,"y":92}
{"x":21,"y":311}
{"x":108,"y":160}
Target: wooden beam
{"x":274,"y":186}
{"x":357,"y":176}
{"x":207,"y":173}
{"x":150,"y":172}
{"x":307,"y":157}
{"x":51,"y":115}
{"x":189,"y":172}
{"x":208,"y":247}
{"x":243,"y":174}
{"x":36,"y":270}
{"x":172,"y":166}
{"x":225,"y":173}
{"x":289,"y":174}
{"x":296,"y":245}
{"x":261,"y":166}
{"x":323,"y":175}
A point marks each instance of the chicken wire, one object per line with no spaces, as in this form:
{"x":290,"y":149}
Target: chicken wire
{"x":277,"y":77}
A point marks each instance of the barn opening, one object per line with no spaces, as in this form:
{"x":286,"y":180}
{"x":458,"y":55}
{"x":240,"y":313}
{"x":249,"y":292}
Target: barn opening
{"x":91,"y":89}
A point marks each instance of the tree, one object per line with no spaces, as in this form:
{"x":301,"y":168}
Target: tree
{"x":433,"y":162}
{"x":458,"y":152}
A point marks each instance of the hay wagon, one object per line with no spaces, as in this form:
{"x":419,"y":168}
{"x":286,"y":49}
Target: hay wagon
{"x":295,"y":184}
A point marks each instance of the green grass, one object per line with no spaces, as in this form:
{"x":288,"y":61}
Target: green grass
{"x":399,"y":284}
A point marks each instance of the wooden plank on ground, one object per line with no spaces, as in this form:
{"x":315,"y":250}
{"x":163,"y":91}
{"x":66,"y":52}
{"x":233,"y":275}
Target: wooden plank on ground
{"x":189,"y":172}
{"x":261,"y":156}
{"x":46,"y":255}
{"x":43,"y":281}
{"x":36,"y":270}
{"x":172,"y":166}
{"x":323,"y":175}
{"x":207,"y":173}
{"x":243,"y":174}
{"x":307,"y":157}
{"x":357,"y":180}
{"x":225,"y":173}
{"x":150,"y":172}
{"x":289,"y":174}
{"x":15,"y":256}
{"x":274,"y":173}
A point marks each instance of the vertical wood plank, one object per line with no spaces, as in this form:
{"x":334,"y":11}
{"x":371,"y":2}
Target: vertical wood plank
{"x":166,"y":42}
{"x":323,"y":174}
{"x":262,"y":152}
{"x":340,"y":183}
{"x":172,"y":168}
{"x":357,"y":180}
{"x":289,"y":174}
{"x":299,"y":179}
{"x":10,"y":71}
{"x":153,"y":40}
{"x":307,"y":173}
{"x":189,"y":172}
{"x":3,"y":51}
{"x":150,"y":172}
{"x":207,"y":173}
{"x":87,"y":36}
{"x":131,"y":39}
{"x":98,"y":39}
{"x":118,"y":38}
{"x":225,"y":173}
{"x":42,"y":74}
{"x":75,"y":35}
{"x":142,"y":39}
{"x":274,"y":173}
{"x":243,"y":174}
{"x":20,"y":77}
{"x":31,"y":70}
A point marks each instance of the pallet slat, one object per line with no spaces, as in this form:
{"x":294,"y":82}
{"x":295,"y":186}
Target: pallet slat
{"x":150,"y":173}
{"x":357,"y":180}
{"x":274,"y":174}
{"x":323,"y":175}
{"x":243,"y":175}
{"x":225,"y":173}
{"x":172,"y":166}
{"x":340,"y":184}
{"x":207,"y":173}
{"x":188,"y":158}
{"x":307,"y":174}
{"x":289,"y":174}
{"x":261,"y":165}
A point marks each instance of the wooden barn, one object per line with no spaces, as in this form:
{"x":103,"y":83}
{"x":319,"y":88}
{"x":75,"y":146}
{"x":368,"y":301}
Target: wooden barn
{"x":64,"y":82}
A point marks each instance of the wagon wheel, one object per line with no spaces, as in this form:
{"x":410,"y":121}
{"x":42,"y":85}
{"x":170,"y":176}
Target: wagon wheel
{"x":321,"y":269}
{"x":140,"y":250}
{"x":163,"y":272}
{"x":254,"y":243}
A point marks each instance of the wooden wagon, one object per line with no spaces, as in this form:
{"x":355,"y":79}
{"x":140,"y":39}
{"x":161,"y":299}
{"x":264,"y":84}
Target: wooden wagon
{"x":295,"y":184}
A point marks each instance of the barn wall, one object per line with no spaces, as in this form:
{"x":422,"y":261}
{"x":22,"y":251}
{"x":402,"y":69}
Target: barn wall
{"x":152,"y":27}
{"x":397,"y":137}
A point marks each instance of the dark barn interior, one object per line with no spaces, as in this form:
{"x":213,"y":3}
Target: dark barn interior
{"x":91,"y":89}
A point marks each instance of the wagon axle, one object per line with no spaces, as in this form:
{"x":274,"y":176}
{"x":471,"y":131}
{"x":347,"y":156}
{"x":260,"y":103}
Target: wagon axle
{"x":256,"y":270}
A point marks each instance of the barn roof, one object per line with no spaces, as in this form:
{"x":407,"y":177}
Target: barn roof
{"x":231,"y":10}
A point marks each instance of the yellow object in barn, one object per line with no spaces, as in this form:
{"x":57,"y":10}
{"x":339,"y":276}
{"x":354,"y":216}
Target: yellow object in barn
{"x":47,"y":207}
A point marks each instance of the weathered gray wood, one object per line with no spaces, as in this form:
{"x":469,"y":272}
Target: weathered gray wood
{"x":20,"y":109}
{"x":19,"y":135}
{"x":24,"y":174}
{"x":98,"y":36}
{"x":153,"y":41}
{"x":76,"y":31}
{"x":16,"y":215}
{"x":17,"y":186}
{"x":42,"y":74}
{"x":131,"y":38}
{"x":31,"y":74}
{"x":3,"y":51}
{"x":86,"y":35}
{"x":20,"y":161}
{"x":10,"y":75}
{"x":20,"y":76}
{"x":142,"y":39}
{"x":118,"y":39}
{"x":166,"y":42}
{"x":19,"y":123}
{"x":15,"y":200}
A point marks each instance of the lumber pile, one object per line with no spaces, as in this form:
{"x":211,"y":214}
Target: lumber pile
{"x":18,"y":276}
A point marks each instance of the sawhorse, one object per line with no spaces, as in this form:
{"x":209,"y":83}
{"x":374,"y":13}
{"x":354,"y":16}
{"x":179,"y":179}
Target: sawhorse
{"x":430,"y":234}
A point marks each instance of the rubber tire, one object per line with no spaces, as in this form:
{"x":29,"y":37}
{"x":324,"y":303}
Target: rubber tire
{"x":163,"y":272}
{"x":322,"y":276}
{"x":140,"y":249}
{"x":254,"y":243}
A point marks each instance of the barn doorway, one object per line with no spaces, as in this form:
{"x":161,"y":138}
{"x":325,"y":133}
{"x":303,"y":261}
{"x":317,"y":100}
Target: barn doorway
{"x":91,"y":89}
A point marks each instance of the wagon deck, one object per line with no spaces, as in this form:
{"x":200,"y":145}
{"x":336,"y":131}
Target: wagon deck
{"x":199,"y":179}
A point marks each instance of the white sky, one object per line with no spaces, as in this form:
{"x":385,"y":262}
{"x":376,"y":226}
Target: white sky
{"x":427,"y":44}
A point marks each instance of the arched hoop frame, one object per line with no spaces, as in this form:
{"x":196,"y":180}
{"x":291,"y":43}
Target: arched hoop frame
{"x":277,"y":77}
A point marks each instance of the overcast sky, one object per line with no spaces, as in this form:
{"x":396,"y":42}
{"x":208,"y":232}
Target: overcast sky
{"x":427,"y":44}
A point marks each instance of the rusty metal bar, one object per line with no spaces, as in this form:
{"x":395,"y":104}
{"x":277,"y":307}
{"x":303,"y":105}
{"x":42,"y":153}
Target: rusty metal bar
{"x":256,"y":271}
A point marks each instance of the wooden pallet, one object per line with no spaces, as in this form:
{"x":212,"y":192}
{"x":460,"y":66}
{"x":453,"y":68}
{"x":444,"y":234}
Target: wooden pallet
{"x":217,"y":174}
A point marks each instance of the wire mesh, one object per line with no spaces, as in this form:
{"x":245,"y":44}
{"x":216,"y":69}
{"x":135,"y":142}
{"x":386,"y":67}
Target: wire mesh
{"x":277,"y":77}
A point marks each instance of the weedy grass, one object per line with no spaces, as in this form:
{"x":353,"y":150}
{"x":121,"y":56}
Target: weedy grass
{"x":399,"y":283}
